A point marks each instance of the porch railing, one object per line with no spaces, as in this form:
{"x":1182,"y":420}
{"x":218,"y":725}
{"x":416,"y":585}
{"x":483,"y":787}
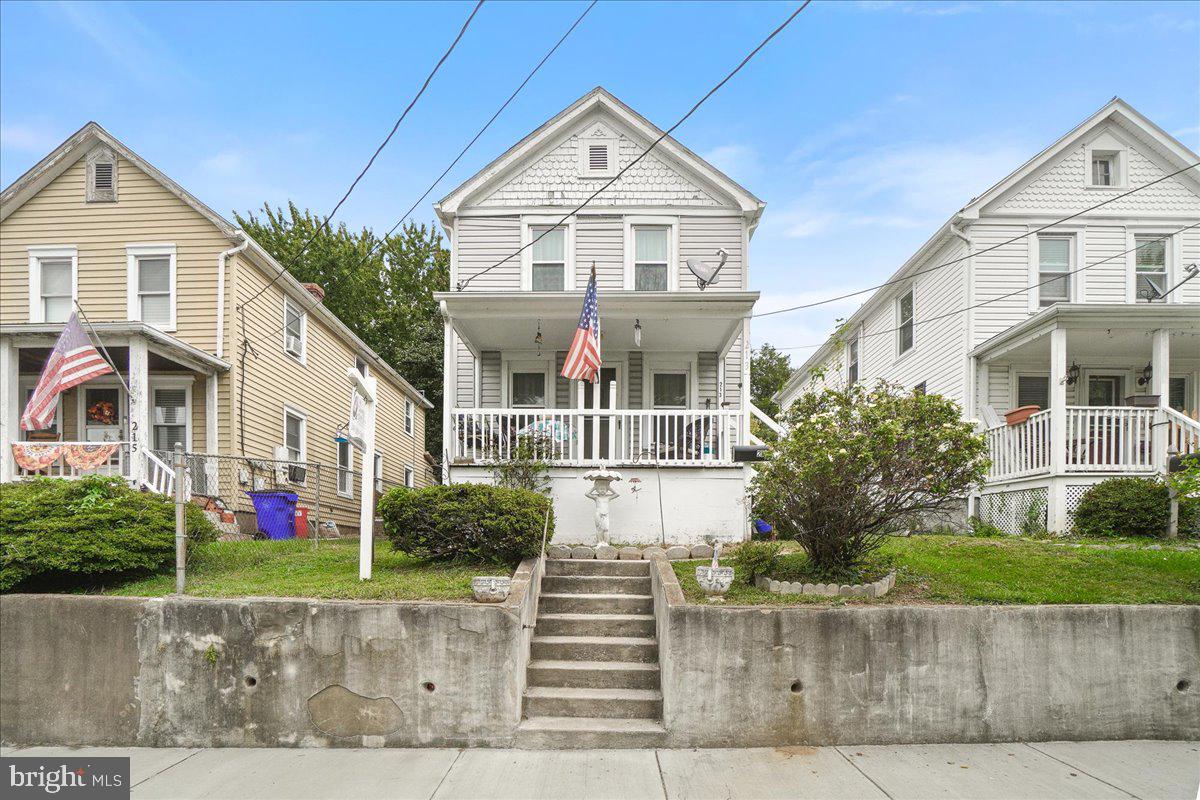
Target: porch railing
{"x":585,"y":436}
{"x":1094,"y":439}
{"x":71,"y":460}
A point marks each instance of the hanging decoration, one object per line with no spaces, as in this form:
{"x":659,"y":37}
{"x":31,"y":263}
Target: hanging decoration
{"x":637,"y":333}
{"x":35,"y":457}
{"x":538,"y":339}
{"x":88,"y":456}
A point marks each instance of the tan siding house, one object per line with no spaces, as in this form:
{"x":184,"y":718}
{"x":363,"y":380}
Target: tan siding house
{"x":170,"y":288}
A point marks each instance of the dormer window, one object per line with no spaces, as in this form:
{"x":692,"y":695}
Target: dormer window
{"x":1102,"y":170}
{"x":101,"y":176}
{"x":597,"y":158}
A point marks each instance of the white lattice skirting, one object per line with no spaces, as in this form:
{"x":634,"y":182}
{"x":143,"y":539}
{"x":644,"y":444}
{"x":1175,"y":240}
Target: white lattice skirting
{"x":1012,"y":512}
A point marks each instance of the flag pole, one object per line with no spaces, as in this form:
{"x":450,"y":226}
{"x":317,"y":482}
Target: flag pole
{"x":100,"y":342}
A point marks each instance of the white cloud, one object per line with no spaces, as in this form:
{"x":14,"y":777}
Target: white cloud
{"x":28,"y":138}
{"x":120,"y":35}
{"x":226,"y":162}
{"x":925,"y":8}
{"x":738,"y":161}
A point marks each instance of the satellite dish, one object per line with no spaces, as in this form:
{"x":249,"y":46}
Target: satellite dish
{"x":706,"y":274}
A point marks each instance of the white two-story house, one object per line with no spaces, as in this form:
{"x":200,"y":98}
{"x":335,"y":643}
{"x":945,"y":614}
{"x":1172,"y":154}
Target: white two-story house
{"x":1093,"y":325}
{"x":673,"y":396}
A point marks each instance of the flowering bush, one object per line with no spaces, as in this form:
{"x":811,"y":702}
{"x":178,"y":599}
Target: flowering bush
{"x":858,"y":464}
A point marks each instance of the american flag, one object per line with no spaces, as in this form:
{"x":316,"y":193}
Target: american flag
{"x":583,"y":359}
{"x":73,"y":361}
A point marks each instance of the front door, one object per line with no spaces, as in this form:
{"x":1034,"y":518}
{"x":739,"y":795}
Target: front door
{"x":104,"y":419}
{"x":596,"y":395}
{"x":1105,"y":390}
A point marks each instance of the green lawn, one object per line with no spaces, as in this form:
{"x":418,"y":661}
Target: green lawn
{"x":1009,"y":570}
{"x":292,"y":568}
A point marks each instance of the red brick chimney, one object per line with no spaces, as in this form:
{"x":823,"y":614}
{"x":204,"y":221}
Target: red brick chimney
{"x":315,"y":290}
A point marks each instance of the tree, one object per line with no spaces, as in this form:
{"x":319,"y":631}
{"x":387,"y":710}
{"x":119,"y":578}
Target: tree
{"x":382,"y":289}
{"x":858,"y":464}
{"x":769,"y":372}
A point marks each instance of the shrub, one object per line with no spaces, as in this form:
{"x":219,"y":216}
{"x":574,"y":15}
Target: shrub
{"x":1131,"y":507}
{"x":976,"y":526}
{"x":752,"y":559}
{"x":858,"y":464}
{"x":525,"y":467}
{"x":71,"y":532}
{"x":466,"y":522}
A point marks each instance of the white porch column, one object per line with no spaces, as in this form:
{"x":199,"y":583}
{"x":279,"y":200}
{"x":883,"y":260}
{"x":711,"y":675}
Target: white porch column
{"x":1160,"y":383}
{"x":139,"y":407}
{"x":10,"y":408}
{"x":1056,"y":509}
{"x":449,"y":393}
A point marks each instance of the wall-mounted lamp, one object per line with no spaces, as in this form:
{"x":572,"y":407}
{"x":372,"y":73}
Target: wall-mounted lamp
{"x":637,"y":333}
{"x":1147,"y":374}
{"x":1072,"y":374}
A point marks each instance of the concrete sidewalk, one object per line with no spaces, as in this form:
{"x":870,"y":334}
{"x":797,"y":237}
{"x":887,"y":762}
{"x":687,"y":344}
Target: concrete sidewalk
{"x":1149,"y":770}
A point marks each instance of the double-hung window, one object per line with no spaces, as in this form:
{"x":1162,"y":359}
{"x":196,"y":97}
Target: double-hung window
{"x":1150,"y":268}
{"x":410,"y":477}
{"x":293,"y":329}
{"x":408,"y":417}
{"x":345,"y":466}
{"x":51,"y":283}
{"x":151,"y":275}
{"x":852,"y":362}
{"x":549,"y":259}
{"x":293,"y":435}
{"x":378,"y":472}
{"x":906,"y":310}
{"x":1033,"y":390}
{"x":1054,"y":268}
{"x":651,"y":259}
{"x":170,"y":418}
{"x":528,"y":390}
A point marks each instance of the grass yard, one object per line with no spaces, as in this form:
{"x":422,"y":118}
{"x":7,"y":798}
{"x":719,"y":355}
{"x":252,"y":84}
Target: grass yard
{"x":1009,"y":570}
{"x":292,"y":568}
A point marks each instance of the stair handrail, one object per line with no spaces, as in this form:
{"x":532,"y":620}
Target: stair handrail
{"x":766,"y":419}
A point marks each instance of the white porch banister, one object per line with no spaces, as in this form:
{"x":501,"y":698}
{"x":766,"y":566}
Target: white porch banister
{"x":1110,"y":439}
{"x":1017,"y":451}
{"x":575,"y":437}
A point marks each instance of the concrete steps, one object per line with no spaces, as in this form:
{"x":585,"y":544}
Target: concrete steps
{"x":593,"y":675}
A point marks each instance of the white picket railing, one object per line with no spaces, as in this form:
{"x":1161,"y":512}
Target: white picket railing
{"x":117,"y":464}
{"x":1183,"y":432}
{"x":586,"y":436}
{"x":160,"y":475}
{"x":1020,"y":450}
{"x":1110,"y":439}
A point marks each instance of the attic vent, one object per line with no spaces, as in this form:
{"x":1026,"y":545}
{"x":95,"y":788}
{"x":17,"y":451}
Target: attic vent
{"x":101,"y":176}
{"x":598,"y":157}
{"x":104,"y":177}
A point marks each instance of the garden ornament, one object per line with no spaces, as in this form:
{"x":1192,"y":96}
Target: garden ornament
{"x":714,"y":579}
{"x":602,"y":493}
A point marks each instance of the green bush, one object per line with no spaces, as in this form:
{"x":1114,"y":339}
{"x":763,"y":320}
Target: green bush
{"x":752,"y":559}
{"x":68,"y":533}
{"x":466,"y":522}
{"x":1131,"y":507}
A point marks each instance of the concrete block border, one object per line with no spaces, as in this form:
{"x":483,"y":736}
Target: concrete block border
{"x":877,"y":589}
{"x":675,"y":552}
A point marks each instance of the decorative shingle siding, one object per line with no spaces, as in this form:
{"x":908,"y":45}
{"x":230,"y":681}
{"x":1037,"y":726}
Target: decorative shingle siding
{"x":554,"y":180}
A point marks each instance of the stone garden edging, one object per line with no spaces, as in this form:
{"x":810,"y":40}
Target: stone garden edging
{"x":876,"y":589}
{"x":608,"y":552}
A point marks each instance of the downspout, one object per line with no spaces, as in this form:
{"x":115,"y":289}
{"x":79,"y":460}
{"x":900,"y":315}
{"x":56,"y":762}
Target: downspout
{"x":221,"y":261}
{"x":969,"y":338}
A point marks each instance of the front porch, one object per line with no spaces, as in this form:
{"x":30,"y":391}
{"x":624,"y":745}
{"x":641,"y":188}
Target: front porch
{"x":1099,"y":391}
{"x":172,"y":397}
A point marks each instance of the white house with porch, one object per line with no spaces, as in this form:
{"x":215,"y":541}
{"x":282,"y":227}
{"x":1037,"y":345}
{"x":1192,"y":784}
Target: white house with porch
{"x":1076,"y":348}
{"x":673,"y":397}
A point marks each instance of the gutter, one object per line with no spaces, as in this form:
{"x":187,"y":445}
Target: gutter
{"x":221,"y":261}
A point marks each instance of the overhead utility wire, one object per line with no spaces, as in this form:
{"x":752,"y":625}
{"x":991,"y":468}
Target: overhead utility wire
{"x":1113,"y":199}
{"x":325,"y":222}
{"x":463,"y":284}
{"x":462,"y":152}
{"x":1023,"y":290}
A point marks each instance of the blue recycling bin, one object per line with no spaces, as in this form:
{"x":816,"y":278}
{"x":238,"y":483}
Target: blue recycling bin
{"x":275,"y":513}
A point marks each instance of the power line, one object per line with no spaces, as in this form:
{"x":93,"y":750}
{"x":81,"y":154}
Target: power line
{"x":371,"y":251}
{"x":463,"y":284}
{"x":1023,"y":290}
{"x":325,"y":222}
{"x":976,"y":253}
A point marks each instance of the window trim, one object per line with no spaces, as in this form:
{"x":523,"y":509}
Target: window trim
{"x":37,"y":312}
{"x":410,"y":477}
{"x":672,"y":224}
{"x":290,"y":410}
{"x":1015,"y":387}
{"x":133,"y":305}
{"x":346,"y":471}
{"x":409,"y":416}
{"x":585,"y":144}
{"x":184,"y":382}
{"x":1072,"y":240}
{"x":1120,"y":167}
{"x":912,"y":290}
{"x":854,"y":345}
{"x":377,"y":461}
{"x":528,"y":223}
{"x":302,"y":356}
{"x":1170,"y":258}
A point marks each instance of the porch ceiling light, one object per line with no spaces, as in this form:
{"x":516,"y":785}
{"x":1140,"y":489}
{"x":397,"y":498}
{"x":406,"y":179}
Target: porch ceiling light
{"x":637,"y":333}
{"x":1147,"y":374}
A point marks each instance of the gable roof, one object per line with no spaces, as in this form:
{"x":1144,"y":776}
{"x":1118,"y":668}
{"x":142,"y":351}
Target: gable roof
{"x":549,"y":133}
{"x":78,"y":144}
{"x":1166,"y":145}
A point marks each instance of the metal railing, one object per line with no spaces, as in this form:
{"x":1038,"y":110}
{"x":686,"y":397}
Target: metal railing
{"x":683,"y":437}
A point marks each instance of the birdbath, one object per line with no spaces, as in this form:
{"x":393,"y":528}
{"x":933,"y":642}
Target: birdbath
{"x":714,"y":579}
{"x":602,"y":493}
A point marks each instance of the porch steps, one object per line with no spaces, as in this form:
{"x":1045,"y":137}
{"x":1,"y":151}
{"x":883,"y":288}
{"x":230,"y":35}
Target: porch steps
{"x":593,"y":677}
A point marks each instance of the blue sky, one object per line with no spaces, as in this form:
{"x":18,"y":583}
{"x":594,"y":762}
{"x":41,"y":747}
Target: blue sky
{"x":863,"y":126}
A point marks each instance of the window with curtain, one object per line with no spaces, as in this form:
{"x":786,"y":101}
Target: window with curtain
{"x":549,"y":259}
{"x":345,"y":462}
{"x":1054,"y":266}
{"x":1033,"y":390}
{"x":56,"y":289}
{"x":528,"y":390}
{"x":154,"y":289}
{"x":170,"y":418}
{"x":293,"y":436}
{"x":670,"y":390}
{"x":650,"y":258}
{"x":1150,"y":266}
{"x":906,"y":311}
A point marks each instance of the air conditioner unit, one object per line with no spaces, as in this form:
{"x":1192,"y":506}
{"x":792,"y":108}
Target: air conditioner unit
{"x":297,"y":473}
{"x":293,"y":344}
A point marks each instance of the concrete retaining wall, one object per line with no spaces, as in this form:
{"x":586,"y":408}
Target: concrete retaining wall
{"x":771,"y":676}
{"x":193,"y":672}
